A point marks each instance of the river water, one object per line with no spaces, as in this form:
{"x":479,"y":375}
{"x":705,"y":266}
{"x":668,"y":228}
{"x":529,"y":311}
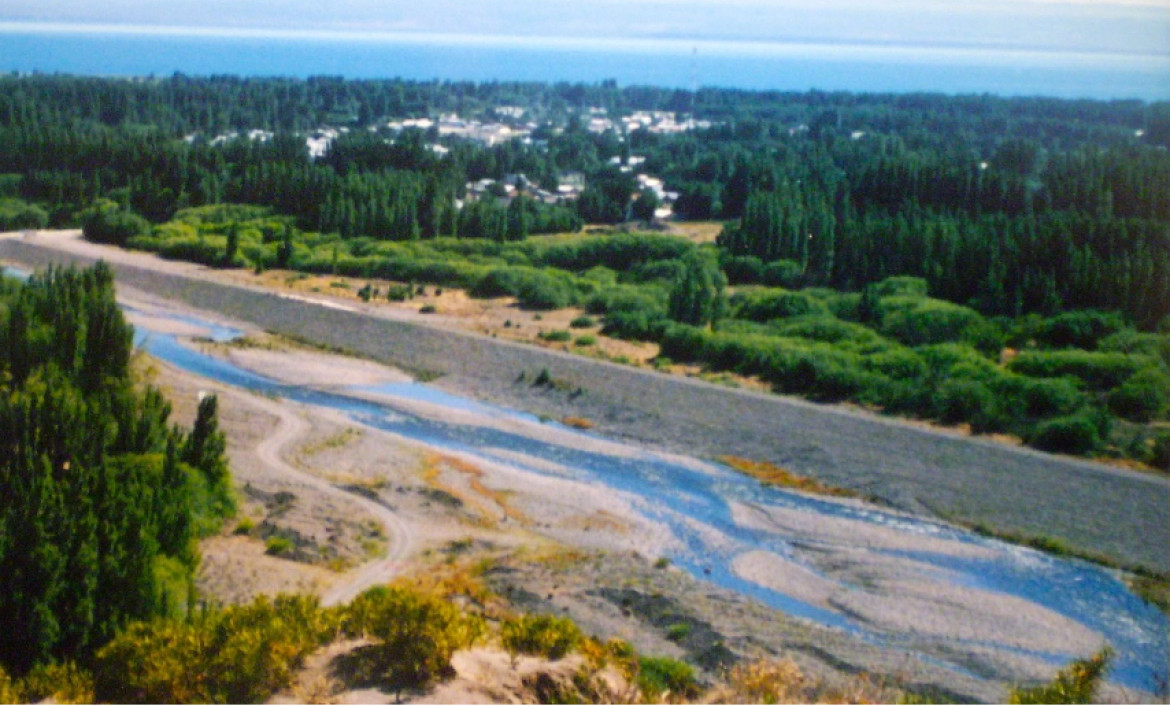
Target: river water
{"x":694,"y":500}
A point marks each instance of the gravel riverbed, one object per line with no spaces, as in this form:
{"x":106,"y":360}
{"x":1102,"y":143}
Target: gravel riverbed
{"x":1090,"y":506}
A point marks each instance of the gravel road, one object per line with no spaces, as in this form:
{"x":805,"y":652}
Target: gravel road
{"x":1090,"y":506}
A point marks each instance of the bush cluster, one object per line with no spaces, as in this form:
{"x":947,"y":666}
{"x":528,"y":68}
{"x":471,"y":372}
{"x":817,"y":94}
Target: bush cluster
{"x":239,"y":654}
{"x":542,"y":635}
{"x":416,"y":634}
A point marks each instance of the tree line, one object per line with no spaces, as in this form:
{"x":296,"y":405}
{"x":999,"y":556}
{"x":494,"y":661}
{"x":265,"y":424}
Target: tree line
{"x":103,"y":499}
{"x":1009,"y":205}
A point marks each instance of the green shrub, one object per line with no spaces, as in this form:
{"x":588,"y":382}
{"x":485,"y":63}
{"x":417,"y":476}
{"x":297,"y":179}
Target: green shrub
{"x":742,"y":269}
{"x":107,"y":222}
{"x":10,"y":186}
{"x":631,"y":312}
{"x":1145,"y":397}
{"x":10,"y":690}
{"x":1075,"y":684}
{"x":416,"y":634}
{"x":945,"y":360}
{"x":222,"y":214}
{"x":662,"y":677}
{"x":399,"y":293}
{"x":542,"y":635}
{"x":205,"y":251}
{"x":624,"y":297}
{"x":790,"y":365}
{"x":620,"y":252}
{"x":57,"y":683}
{"x":240,"y":654}
{"x":897,"y":363}
{"x":845,"y":306}
{"x":782,"y":273}
{"x":1159,"y":456}
{"x":1099,"y":371}
{"x":582,"y":322}
{"x":901,"y":286}
{"x":502,"y":282}
{"x":1155,"y":345}
{"x":962,"y":400}
{"x":557,"y":336}
{"x":1074,"y":434}
{"x":18,"y":215}
{"x":984,"y":336}
{"x":1043,"y":397}
{"x":536,"y":289}
{"x":918,"y":321}
{"x":831,"y":330}
{"x":758,"y":304}
{"x":1078,"y":329}
{"x":410,"y":269}
{"x":601,"y":276}
{"x":586,"y":340}
{"x":664,"y":271}
{"x":278,"y":546}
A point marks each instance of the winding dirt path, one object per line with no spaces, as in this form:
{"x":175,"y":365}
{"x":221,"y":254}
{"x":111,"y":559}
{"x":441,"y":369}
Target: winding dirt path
{"x":400,"y":537}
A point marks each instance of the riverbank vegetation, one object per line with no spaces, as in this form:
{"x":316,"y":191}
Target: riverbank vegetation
{"x":1081,"y":382}
{"x":1002,"y":264}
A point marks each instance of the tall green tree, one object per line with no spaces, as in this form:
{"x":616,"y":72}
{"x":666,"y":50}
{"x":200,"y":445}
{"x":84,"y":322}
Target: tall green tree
{"x":696,"y":296}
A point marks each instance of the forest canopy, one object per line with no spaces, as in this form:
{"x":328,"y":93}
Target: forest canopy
{"x":997,"y":262}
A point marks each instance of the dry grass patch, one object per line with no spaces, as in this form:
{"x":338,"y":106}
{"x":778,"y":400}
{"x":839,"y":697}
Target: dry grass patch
{"x":781,"y":681}
{"x":772,"y":474}
{"x":578,"y":422}
{"x":340,"y":440}
{"x":433,"y":466}
{"x":698,"y":232}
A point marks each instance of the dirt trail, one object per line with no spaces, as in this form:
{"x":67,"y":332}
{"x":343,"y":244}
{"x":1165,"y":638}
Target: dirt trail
{"x":400,"y":537}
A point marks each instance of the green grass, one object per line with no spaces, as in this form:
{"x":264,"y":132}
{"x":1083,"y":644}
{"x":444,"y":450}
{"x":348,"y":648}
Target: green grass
{"x":556,"y":336}
{"x":278,"y":546}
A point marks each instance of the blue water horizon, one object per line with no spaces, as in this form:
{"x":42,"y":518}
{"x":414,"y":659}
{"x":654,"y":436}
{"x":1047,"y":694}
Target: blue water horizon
{"x":667,"y":63}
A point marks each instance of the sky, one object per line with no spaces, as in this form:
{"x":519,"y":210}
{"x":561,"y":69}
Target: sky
{"x":1091,"y":26}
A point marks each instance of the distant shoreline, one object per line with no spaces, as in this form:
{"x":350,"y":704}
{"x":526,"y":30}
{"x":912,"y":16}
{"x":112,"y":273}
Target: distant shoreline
{"x":685,"y":43}
{"x":667,"y":62}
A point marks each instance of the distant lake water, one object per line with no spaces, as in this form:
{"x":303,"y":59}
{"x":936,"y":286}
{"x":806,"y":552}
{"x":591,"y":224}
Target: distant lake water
{"x":787,"y":66}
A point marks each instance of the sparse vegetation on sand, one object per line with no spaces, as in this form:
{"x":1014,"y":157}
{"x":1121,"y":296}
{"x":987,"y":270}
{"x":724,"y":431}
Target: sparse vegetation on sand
{"x":402,"y":640}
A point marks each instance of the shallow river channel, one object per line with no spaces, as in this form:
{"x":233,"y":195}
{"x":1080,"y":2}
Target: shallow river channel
{"x":703,"y":504}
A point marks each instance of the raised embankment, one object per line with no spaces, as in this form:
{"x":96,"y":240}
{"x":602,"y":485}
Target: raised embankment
{"x":1092,"y":507}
